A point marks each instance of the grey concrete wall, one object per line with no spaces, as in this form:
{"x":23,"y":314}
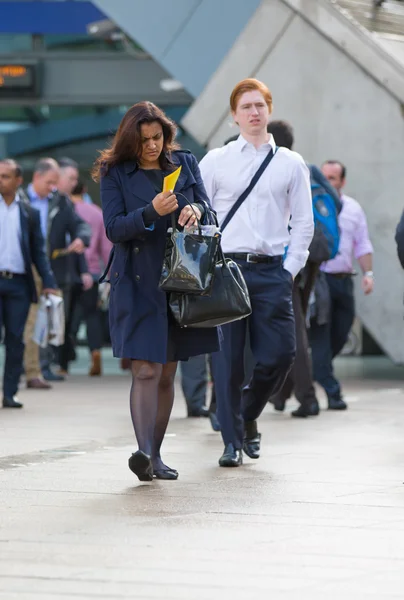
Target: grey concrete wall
{"x":342,"y":94}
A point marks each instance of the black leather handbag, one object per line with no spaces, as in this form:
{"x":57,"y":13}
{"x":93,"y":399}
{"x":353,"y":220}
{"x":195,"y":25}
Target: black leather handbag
{"x":189,"y":261}
{"x":228,"y":300}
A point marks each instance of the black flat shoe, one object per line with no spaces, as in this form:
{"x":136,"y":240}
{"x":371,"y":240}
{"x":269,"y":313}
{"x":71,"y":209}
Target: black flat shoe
{"x":231,"y":457}
{"x":337,"y":404}
{"x":11,"y":403}
{"x":307,"y":411}
{"x":141,"y":465}
{"x":214,"y":421}
{"x":252,"y":440}
{"x":166,"y":474}
{"x":199,"y":412}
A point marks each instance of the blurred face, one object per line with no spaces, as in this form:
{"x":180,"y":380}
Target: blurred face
{"x":333,"y":172}
{"x":252,"y":113}
{"x":45,"y":183}
{"x":68,"y":179}
{"x":9,"y":182}
{"x":152,"y":142}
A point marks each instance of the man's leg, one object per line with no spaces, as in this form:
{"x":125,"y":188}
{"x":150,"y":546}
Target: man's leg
{"x":194,"y":378}
{"x":228,"y":375}
{"x":71,"y":294}
{"x":273,"y":340}
{"x":343,"y":312}
{"x":323,"y":372}
{"x":15,"y":306}
{"x":302,"y":368}
{"x":32,"y":365}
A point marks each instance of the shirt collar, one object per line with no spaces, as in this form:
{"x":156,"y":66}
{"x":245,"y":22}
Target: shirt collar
{"x":241,"y":143}
{"x":33,"y":195}
{"x":16,"y":199}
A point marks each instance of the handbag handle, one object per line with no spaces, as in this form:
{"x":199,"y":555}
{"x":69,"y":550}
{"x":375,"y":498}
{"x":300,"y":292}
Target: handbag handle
{"x":173,"y":221}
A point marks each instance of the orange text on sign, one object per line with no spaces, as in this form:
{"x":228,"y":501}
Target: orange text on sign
{"x":13,"y":71}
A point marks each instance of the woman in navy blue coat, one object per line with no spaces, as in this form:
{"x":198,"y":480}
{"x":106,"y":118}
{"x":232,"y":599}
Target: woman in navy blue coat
{"x":137,"y":216}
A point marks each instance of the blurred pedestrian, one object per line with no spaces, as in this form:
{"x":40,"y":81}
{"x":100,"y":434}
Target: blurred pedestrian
{"x":328,"y":339}
{"x":137,"y":216}
{"x":256,"y":238}
{"x":59,"y":223}
{"x":97,"y":255}
{"x":80,"y":279}
{"x":300,"y":378}
{"x":21,"y":246}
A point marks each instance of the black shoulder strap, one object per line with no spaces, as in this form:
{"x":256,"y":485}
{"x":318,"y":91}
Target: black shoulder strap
{"x":247,"y":192}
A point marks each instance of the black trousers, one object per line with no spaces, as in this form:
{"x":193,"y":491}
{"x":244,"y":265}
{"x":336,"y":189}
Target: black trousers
{"x":194,"y":382}
{"x":87,"y":309}
{"x":272,"y":338}
{"x":15,"y":300}
{"x":328,"y":340}
{"x":300,"y":378}
{"x":71,"y":295}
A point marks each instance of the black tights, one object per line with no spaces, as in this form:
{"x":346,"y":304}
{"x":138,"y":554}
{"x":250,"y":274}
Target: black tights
{"x":151,"y":402}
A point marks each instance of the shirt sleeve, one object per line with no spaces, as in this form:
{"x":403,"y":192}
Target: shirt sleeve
{"x":362,"y":243}
{"x":301,"y":222}
{"x":207,"y":169}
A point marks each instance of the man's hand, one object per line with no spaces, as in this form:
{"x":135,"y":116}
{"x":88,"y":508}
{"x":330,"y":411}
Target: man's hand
{"x":47,"y":291}
{"x":367,"y":284}
{"x":187,"y":216}
{"x":76,"y":246}
{"x":87,"y":281}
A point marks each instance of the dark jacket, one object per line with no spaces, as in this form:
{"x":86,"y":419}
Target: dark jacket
{"x":63,"y":224}
{"x":33,"y":249}
{"x":138,"y":308}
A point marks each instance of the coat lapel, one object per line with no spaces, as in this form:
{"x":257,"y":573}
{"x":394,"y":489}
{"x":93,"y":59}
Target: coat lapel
{"x":25,"y":243}
{"x":141,"y":187}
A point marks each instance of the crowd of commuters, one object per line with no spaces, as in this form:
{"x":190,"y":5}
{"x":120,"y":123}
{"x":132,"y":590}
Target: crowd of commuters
{"x":53,"y":239}
{"x":50,"y":243}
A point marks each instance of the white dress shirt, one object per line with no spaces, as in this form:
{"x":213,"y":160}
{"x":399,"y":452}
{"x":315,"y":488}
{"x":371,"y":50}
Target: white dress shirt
{"x":11,"y":257}
{"x":261,"y":225}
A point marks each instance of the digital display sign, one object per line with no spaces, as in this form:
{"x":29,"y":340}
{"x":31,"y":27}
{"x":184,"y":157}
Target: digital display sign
{"x":18,"y":80}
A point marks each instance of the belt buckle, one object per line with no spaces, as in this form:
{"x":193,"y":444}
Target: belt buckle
{"x":250,"y":258}
{"x":6,"y":274}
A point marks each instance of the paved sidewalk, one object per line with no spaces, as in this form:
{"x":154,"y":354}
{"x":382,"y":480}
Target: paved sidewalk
{"x":319,"y":517}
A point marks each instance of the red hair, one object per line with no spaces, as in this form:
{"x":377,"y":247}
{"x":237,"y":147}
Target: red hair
{"x":250,"y":85}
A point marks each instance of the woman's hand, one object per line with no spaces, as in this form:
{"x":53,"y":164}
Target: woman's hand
{"x":165,"y":203}
{"x":187,"y":216}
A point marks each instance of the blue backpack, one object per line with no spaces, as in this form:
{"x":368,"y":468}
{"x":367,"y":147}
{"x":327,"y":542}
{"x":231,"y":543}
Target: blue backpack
{"x":326,"y":207}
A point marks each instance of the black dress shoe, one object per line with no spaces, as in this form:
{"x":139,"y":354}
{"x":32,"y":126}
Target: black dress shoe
{"x":337,"y":404}
{"x":51,"y":376}
{"x":214,"y":421}
{"x":199,"y":412}
{"x":11,"y":403}
{"x":166,"y":474}
{"x":231,"y":457}
{"x":312,"y":410}
{"x":252,"y":440}
{"x":141,"y":465}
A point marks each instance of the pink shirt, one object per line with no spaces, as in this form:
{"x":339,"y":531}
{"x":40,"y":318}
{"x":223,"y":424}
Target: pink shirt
{"x":98,"y":252}
{"x":354,"y":237}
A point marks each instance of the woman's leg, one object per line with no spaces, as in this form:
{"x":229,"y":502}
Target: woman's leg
{"x":144,"y":402}
{"x":165,"y":405}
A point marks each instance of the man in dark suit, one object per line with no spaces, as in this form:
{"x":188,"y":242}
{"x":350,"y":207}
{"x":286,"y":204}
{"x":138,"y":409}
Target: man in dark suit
{"x":59,"y":222}
{"x":21,"y":245}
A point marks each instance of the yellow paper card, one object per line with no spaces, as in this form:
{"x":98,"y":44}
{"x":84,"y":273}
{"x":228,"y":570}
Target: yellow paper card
{"x":171,"y":180}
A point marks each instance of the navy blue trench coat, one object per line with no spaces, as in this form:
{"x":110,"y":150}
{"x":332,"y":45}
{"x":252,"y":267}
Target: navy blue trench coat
{"x":139,"y":323}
